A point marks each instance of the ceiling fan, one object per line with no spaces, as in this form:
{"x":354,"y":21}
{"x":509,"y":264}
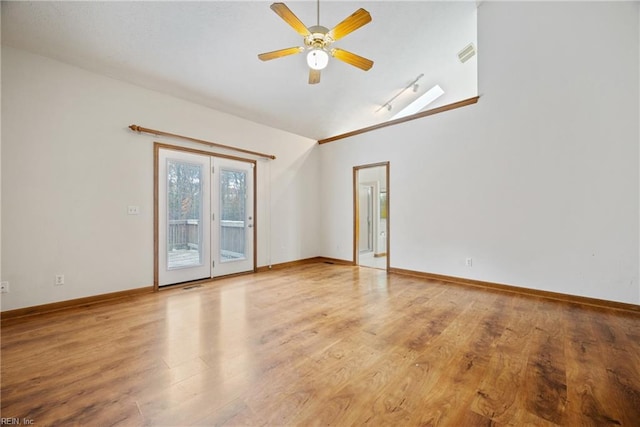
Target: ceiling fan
{"x":318,"y":40}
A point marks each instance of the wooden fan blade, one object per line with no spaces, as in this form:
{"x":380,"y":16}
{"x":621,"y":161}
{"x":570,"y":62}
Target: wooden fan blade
{"x":280,"y":53}
{"x":314,"y":76}
{"x":285,"y":13}
{"x":351,"y":23}
{"x":352,"y":59}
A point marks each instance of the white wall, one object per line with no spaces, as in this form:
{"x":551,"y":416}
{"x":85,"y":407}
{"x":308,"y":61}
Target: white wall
{"x":0,"y":163}
{"x":70,"y":168}
{"x":538,"y":182}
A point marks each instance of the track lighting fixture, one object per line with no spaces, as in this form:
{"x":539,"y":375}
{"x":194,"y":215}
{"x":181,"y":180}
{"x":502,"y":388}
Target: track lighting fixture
{"x":413,"y":85}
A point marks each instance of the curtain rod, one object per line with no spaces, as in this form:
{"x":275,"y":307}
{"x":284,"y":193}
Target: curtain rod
{"x":137,"y":128}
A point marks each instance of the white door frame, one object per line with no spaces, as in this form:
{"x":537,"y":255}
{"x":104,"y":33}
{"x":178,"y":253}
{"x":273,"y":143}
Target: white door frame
{"x":356,"y":213}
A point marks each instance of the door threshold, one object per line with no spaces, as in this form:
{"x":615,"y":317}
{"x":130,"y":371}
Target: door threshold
{"x":202,"y":281}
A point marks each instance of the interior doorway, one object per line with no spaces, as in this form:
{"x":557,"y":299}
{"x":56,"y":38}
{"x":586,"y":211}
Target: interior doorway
{"x":371,"y":215}
{"x":366,"y":217}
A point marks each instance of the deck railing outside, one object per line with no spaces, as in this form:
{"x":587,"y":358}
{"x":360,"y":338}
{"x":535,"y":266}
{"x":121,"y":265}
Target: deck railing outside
{"x":184,"y":234}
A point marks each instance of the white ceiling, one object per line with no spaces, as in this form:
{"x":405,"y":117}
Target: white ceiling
{"x":206,"y":52}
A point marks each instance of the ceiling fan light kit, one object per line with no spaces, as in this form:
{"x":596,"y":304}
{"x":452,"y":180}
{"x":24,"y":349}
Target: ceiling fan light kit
{"x":318,"y":39}
{"x":317,"y":59}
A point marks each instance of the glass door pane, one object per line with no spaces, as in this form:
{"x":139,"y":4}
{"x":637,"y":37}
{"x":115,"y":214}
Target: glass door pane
{"x":233,"y":230}
{"x":233,"y":207}
{"x":184,"y":213}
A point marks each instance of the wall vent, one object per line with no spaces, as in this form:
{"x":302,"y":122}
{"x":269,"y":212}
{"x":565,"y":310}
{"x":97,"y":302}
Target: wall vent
{"x":467,"y":53}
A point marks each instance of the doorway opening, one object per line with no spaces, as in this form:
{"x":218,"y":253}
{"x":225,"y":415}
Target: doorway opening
{"x":204,"y":215}
{"x":371,"y":216}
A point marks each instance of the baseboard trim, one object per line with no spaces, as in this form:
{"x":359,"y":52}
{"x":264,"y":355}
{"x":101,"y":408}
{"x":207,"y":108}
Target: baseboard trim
{"x":557,"y":296}
{"x":61,"y":305}
{"x":10,"y":315}
{"x":337,"y":261}
{"x":285,"y":264}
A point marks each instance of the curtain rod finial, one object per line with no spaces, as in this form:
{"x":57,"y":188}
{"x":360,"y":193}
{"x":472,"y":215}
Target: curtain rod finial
{"x":135,"y":128}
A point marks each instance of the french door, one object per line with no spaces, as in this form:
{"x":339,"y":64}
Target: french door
{"x":205,"y":212}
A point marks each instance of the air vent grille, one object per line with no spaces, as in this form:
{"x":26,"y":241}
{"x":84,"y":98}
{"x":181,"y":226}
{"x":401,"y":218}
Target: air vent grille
{"x":467,"y":53}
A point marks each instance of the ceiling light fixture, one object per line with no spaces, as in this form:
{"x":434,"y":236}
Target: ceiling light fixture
{"x":318,"y":41}
{"x":317,"y":59}
{"x":413,"y":85}
{"x":425,"y":99}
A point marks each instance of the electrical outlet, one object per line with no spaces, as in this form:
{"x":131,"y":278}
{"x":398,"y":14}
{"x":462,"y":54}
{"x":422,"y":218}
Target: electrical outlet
{"x":4,"y":287}
{"x":468,"y":262}
{"x":133,"y":210}
{"x":59,"y":279}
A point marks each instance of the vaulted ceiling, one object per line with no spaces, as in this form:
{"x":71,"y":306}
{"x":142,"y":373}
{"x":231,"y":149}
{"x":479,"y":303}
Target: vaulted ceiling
{"x":207,"y":51}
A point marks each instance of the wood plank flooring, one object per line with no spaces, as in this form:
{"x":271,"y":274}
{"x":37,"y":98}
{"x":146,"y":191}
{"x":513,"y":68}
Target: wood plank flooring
{"x":323,"y":344}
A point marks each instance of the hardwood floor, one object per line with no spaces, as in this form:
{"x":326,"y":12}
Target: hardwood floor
{"x":323,"y":344}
